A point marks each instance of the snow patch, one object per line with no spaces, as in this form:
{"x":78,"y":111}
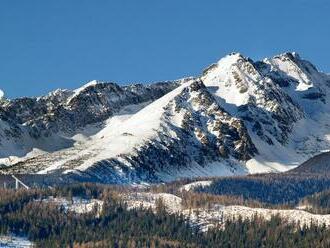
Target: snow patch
{"x":149,"y":200}
{"x":217,"y":215}
{"x":11,"y":241}
{"x":77,"y":205}
{"x":192,"y":186}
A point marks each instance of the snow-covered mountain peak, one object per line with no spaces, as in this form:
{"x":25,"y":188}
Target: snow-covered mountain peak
{"x":240,"y":115}
{"x":288,"y":56}
{"x":230,"y":60}
{"x":234,"y":78}
{"x":226,"y":63}
{"x":83,"y":89}
{"x":87,"y":85}
{"x":299,"y":73}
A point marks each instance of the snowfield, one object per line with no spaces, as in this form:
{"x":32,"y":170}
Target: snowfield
{"x":192,"y":186}
{"x":217,"y":215}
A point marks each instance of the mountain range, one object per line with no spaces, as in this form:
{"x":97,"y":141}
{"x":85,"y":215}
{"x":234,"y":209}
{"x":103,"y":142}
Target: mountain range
{"x":238,"y":117}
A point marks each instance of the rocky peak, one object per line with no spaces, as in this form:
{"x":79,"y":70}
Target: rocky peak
{"x":298,"y":73}
{"x":291,"y":56}
{"x":243,"y":89}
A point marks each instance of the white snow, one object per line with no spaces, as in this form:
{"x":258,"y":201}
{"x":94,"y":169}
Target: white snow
{"x":82,"y":88}
{"x":123,"y":133}
{"x":149,"y":200}
{"x":86,"y":144}
{"x":222,"y":79}
{"x":232,"y":81}
{"x":11,"y":241}
{"x":292,"y":70}
{"x":191,"y":186}
{"x":77,"y":205}
{"x":218,"y":214}
{"x":2,"y":94}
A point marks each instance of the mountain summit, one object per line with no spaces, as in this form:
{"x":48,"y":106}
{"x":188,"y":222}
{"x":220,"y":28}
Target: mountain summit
{"x":240,"y":116}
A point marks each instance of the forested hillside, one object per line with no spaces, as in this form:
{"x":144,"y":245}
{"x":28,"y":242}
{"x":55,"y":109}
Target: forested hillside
{"x":317,"y":203}
{"x":51,"y":226}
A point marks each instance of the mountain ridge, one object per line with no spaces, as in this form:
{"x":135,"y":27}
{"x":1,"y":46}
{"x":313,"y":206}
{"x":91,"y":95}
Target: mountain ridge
{"x":238,"y":117}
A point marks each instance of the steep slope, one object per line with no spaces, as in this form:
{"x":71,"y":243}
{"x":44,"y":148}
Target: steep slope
{"x":283,"y":101}
{"x":185,"y":132}
{"x":254,"y":98}
{"x":51,"y":123}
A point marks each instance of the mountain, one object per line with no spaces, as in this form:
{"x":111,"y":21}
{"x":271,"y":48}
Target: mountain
{"x":319,"y":164}
{"x":238,"y":117}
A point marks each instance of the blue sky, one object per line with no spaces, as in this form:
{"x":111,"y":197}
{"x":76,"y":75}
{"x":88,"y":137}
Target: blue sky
{"x":47,"y":44}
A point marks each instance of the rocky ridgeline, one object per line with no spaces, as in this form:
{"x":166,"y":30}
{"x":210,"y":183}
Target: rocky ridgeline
{"x":67,"y":111}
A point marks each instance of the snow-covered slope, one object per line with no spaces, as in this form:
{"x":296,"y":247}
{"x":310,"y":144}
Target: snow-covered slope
{"x":63,"y":118}
{"x":283,"y":101}
{"x":238,"y":117}
{"x":180,"y":133}
{"x":216,"y":215}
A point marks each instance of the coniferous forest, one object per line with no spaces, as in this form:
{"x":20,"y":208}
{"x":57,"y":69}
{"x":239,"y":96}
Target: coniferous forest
{"x":116,"y":226}
{"x":281,"y":188}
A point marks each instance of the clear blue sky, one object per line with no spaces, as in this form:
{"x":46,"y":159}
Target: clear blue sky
{"x":46,"y":44}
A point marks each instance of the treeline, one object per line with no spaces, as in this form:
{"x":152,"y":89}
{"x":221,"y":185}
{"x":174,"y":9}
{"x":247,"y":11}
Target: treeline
{"x":318,"y":203}
{"x":192,"y":199}
{"x":269,"y":188}
{"x":50,"y":226}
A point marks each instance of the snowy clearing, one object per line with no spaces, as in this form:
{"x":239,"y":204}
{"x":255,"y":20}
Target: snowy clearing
{"x":76,"y":205}
{"x":191,"y":186}
{"x":218,"y":214}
